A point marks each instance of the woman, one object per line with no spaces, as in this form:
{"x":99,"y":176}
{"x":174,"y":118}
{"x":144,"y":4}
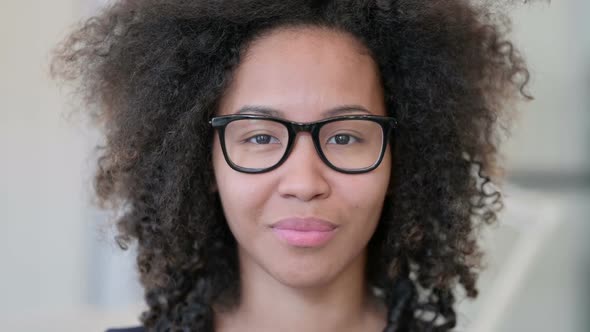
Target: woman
{"x":298,"y":165}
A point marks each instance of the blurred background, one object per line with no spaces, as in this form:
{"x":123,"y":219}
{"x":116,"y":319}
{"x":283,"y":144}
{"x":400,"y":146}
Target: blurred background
{"x":61,"y":270}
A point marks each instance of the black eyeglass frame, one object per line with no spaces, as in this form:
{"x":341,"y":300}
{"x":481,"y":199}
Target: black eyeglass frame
{"x":388,"y":125}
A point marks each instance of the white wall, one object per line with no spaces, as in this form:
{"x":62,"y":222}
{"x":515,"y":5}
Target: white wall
{"x":553,"y":134}
{"x":41,"y":158}
{"x":58,"y":258}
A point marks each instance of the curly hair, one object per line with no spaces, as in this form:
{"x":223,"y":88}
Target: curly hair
{"x":152,"y":74}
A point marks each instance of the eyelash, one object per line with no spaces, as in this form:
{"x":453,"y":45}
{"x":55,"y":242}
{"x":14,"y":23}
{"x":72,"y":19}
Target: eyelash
{"x":356,"y":139}
{"x":249,"y":139}
{"x":255,"y":137}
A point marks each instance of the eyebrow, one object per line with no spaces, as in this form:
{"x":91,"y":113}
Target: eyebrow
{"x":339,"y":110}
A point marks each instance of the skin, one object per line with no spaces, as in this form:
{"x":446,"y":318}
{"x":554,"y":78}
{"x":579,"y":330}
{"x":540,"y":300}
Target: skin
{"x":302,"y":73}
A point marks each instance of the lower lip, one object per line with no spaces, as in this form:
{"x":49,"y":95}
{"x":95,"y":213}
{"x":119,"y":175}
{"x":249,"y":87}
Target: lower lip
{"x":307,"y":239}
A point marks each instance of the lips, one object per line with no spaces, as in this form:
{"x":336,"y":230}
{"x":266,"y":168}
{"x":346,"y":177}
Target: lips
{"x":305,"y":225}
{"x":304,"y":232}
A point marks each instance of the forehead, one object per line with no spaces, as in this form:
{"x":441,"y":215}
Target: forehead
{"x":301,"y":71}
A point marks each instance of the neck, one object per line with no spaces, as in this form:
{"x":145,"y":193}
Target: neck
{"x":342,"y":304}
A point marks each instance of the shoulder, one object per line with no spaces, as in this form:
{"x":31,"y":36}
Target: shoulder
{"x":127,"y":329}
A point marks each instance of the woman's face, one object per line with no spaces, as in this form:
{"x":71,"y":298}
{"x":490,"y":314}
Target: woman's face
{"x":303,"y":73}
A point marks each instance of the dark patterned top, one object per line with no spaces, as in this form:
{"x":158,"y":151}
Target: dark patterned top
{"x":128,"y":329}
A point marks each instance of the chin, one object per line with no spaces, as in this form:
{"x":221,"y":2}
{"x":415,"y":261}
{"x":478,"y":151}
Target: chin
{"x":297,"y":275}
{"x":304,"y":281}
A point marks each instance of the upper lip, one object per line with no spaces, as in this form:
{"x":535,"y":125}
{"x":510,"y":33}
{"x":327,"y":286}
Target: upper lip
{"x":304,"y":224}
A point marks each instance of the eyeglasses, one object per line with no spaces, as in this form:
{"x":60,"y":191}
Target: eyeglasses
{"x":349,"y":144}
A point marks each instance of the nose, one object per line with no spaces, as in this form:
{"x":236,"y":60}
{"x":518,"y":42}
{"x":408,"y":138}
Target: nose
{"x":303,"y":173}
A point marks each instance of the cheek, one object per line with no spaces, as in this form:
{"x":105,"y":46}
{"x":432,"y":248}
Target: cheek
{"x":367,"y":191}
{"x":365,"y":195}
{"x":242,"y":195}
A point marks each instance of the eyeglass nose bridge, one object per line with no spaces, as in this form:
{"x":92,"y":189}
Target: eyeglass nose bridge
{"x":303,"y":127}
{"x":298,"y":127}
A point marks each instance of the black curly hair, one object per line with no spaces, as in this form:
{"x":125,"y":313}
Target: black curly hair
{"x":152,"y":73}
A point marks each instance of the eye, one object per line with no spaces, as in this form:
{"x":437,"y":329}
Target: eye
{"x":262,"y":139}
{"x":342,"y":139}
